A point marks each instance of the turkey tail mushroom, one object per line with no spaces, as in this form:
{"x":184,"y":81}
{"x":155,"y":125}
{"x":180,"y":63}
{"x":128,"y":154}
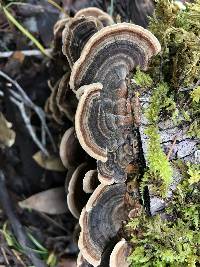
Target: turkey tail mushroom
{"x":119,"y":255}
{"x":119,"y":47}
{"x":71,"y":153}
{"x":76,"y":34}
{"x":82,"y":178}
{"x":90,"y":181}
{"x":101,"y":220}
{"x":76,"y":197}
{"x":65,"y":98}
{"x":104,"y":120}
{"x":96,"y":12}
{"x":81,"y":262}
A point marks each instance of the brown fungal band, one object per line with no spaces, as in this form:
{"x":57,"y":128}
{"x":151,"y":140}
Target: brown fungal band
{"x":96,"y":12}
{"x":101,"y":221}
{"x":104,"y":119}
{"x":76,"y":34}
{"x":121,"y":47}
{"x":65,"y":99}
{"x":57,"y":32}
{"x":82,"y":120}
{"x":90,"y":181}
{"x":71,"y":153}
{"x":77,"y":198}
{"x":119,"y":255}
{"x":81,"y":262}
{"x":52,"y":106}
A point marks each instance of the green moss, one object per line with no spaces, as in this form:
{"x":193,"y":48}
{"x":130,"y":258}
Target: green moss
{"x":158,"y":164}
{"x":194,"y":129}
{"x":195,"y":94}
{"x":174,"y":242}
{"x":194,"y":173}
{"x":171,"y":242}
{"x":177,"y":66}
{"x":142,"y":79}
{"x":178,"y":32}
{"x":190,"y":19}
{"x":157,"y":102}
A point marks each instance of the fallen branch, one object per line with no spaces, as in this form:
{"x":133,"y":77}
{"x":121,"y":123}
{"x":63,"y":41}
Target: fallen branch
{"x":17,"y":227}
{"x":21,"y":97}
{"x":172,"y":147}
{"x":29,"y":127}
{"x":28,"y":53}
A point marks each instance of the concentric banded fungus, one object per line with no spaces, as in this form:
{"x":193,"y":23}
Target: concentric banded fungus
{"x":104,"y":121}
{"x":120,"y":47}
{"x":65,"y":98}
{"x":90,"y":181}
{"x":57,"y":32}
{"x":77,"y":198}
{"x":71,"y":153}
{"x":52,"y":106}
{"x":60,"y":64}
{"x":118,"y":257}
{"x":75,"y":35}
{"x":81,"y":262}
{"x":96,"y":12}
{"x":101,"y":220}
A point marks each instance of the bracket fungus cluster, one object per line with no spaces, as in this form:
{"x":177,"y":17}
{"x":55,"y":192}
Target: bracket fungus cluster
{"x":104,"y":120}
{"x":95,"y":95}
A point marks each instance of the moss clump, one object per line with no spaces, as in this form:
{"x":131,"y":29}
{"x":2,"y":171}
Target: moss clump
{"x":142,"y":79}
{"x":178,"y":32}
{"x":173,"y":242}
{"x":173,"y":73}
{"x":195,"y":94}
{"x":194,"y":173}
{"x":159,"y":172}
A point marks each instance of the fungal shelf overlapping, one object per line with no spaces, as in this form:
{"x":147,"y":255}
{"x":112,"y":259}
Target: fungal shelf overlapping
{"x":97,"y":98}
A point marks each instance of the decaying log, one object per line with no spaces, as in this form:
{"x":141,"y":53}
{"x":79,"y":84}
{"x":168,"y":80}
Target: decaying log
{"x":175,"y":143}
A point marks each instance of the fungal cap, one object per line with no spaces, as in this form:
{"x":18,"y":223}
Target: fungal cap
{"x":95,"y":12}
{"x":83,"y":131}
{"x":118,"y":257}
{"x":90,"y":181}
{"x":76,"y":197}
{"x":108,"y":215}
{"x":113,"y":34}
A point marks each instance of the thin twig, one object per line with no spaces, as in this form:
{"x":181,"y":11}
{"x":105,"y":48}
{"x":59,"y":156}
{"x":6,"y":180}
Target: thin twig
{"x":17,"y":227}
{"x":28,"y":125}
{"x":23,"y":97}
{"x":18,"y":257}
{"x":53,"y":3}
{"x":28,"y":53}
{"x":5,"y":257}
{"x":172,"y":147}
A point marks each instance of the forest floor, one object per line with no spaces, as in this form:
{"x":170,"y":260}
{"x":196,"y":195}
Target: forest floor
{"x":23,"y":176}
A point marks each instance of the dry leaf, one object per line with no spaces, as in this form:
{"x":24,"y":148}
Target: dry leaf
{"x":50,"y":163}
{"x":19,"y":56}
{"x":52,"y":201}
{"x":7,"y":136}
